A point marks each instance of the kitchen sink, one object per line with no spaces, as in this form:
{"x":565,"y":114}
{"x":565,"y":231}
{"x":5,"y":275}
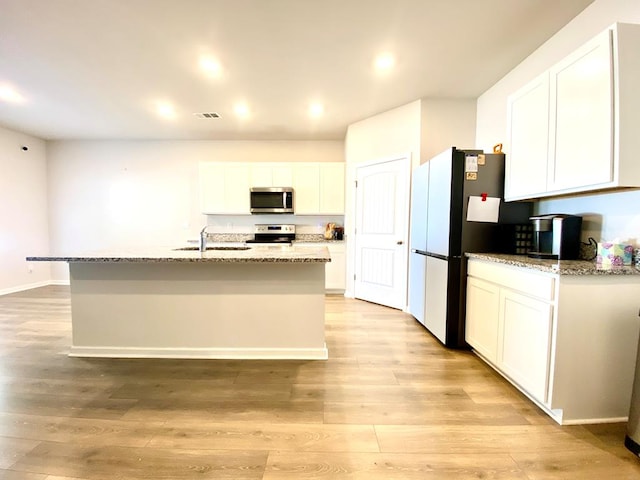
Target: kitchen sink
{"x":195,"y":249}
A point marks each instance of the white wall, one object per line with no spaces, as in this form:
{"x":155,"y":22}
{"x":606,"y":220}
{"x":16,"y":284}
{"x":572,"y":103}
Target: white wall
{"x":23,"y":211}
{"x":447,"y":123}
{"x":118,"y":194}
{"x":422,"y":129}
{"x":391,"y":134}
{"x":606,"y":216}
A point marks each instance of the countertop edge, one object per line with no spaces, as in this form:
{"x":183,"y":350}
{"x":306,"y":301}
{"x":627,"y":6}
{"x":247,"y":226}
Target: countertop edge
{"x":269,"y":254}
{"x":558,"y":267}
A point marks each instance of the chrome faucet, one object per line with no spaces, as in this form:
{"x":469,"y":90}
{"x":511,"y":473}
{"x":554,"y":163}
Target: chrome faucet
{"x":203,"y":238}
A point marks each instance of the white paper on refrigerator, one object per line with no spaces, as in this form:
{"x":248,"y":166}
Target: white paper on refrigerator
{"x":483,"y":209}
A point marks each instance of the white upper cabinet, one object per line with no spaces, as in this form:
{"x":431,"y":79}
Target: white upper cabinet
{"x":224,"y":188}
{"x":581,"y":141}
{"x":271,"y":175}
{"x":306,"y":188}
{"x":528,"y":119}
{"x":318,"y":187}
{"x":332,"y":188}
{"x":585,"y":110}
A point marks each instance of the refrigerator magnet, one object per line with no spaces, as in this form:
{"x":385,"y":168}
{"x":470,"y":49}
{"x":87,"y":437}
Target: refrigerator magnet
{"x":471,"y":163}
{"x":472,"y":176}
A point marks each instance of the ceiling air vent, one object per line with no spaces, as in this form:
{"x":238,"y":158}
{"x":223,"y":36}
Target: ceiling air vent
{"x":207,"y":115}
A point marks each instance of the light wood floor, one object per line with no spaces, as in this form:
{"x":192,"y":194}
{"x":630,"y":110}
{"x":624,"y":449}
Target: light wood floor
{"x":390,"y":403}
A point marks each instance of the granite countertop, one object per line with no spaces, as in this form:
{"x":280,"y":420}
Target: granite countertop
{"x":560,"y":267}
{"x":222,"y":238}
{"x":255,"y":254}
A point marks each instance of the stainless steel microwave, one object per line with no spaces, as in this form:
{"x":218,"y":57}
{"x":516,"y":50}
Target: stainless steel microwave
{"x":271,"y":200}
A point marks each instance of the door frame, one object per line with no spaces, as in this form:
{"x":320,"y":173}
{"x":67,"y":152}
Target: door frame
{"x":350,"y":221}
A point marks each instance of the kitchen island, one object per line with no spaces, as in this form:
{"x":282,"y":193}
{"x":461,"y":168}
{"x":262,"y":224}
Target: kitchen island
{"x":263,"y":302}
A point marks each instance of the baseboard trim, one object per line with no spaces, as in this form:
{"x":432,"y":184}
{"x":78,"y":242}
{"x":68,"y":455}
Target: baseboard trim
{"x":556,"y":414}
{"x":203,"y":353}
{"x":22,"y":288}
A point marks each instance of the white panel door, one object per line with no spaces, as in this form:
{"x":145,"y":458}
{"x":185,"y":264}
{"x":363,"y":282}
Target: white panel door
{"x":382,"y":212}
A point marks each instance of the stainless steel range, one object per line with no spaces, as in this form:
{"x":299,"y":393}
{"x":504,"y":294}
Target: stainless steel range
{"x":272,"y":234}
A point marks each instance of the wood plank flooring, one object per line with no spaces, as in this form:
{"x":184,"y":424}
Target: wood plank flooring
{"x":390,"y":403}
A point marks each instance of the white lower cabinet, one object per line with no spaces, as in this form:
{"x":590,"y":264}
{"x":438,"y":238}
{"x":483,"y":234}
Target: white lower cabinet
{"x":483,"y":303}
{"x":523,"y":353}
{"x":569,"y":342}
{"x":336,"y":270}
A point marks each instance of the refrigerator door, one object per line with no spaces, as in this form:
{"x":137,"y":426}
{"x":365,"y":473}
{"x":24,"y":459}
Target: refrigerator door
{"x":489,"y":180}
{"x":419,"y":189}
{"x":417,"y":277}
{"x":439,"y":203}
{"x":436,"y":297}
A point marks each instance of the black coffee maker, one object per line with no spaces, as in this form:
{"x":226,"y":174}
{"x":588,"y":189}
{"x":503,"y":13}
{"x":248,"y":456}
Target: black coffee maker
{"x":556,"y":236}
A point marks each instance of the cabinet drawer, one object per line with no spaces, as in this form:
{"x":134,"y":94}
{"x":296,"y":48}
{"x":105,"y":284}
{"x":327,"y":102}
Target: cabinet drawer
{"x":534,"y":284}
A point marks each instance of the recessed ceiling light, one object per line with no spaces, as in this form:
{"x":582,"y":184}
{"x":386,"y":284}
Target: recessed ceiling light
{"x":10,"y":94}
{"x":210,"y":66}
{"x":241,"y":110}
{"x":166,"y":110}
{"x":384,"y":62}
{"x":316,"y":109}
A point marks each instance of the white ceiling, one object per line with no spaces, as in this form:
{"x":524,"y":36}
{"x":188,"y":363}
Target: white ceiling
{"x":96,"y":68}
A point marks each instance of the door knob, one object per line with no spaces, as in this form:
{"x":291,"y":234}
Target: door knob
{"x":399,"y":242}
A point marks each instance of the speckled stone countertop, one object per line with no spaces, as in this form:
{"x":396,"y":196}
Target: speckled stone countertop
{"x":560,"y":267}
{"x":256,"y":254}
{"x":243,"y":237}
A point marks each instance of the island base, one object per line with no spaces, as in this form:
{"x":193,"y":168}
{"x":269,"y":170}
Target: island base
{"x":198,"y":310}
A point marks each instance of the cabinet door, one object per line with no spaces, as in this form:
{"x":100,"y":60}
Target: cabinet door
{"x":528,"y":120}
{"x":524,"y":347}
{"x":306,"y":185}
{"x":236,"y":188}
{"x":335,"y":270}
{"x":224,"y":188}
{"x":483,"y":307}
{"x":271,"y":175}
{"x":211,"y":176}
{"x":281,"y":175}
{"x":261,"y":175}
{"x":581,"y":146}
{"x":332,"y":188}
